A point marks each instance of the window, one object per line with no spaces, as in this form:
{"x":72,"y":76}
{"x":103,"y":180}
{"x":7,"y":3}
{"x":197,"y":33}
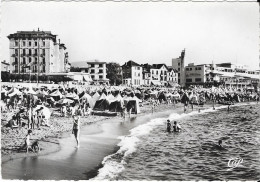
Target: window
{"x":35,"y":61}
{"x":188,"y":80}
{"x":43,"y":51}
{"x":86,"y":70}
{"x":16,"y":51}
{"x":187,"y":69}
{"x":100,"y":71}
{"x":179,"y":74}
{"x":24,"y":43}
{"x":16,"y":43}
{"x":43,"y":69}
{"x":30,"y":59}
{"x":197,"y":79}
{"x":35,"y":51}
{"x":24,"y":51}
{"x":30,"y":52}
{"x":179,"y":69}
{"x":24,"y":60}
{"x":16,"y":69}
{"x":92,"y":76}
{"x":179,"y":64}
{"x":100,"y":65}
{"x":139,"y":74}
{"x":16,"y":60}
{"x":43,"y":43}
{"x":92,"y":65}
{"x":100,"y":77}
{"x":92,"y":71}
{"x":138,"y":68}
{"x":30,"y":43}
{"x":43,"y":60}
{"x":35,"y":43}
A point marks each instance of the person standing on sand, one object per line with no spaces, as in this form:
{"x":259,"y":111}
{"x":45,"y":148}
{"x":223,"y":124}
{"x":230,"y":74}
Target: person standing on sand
{"x":76,"y":127}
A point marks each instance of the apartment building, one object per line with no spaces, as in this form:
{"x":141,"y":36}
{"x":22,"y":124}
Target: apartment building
{"x":95,"y":68}
{"x":132,"y":74}
{"x":37,"y":52}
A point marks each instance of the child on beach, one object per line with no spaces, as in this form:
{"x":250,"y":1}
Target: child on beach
{"x":27,"y":143}
{"x":76,"y":127}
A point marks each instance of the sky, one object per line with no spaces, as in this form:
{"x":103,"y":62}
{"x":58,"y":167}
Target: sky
{"x":142,"y":32}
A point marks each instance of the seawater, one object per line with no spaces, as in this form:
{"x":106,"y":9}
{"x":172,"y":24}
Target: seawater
{"x":150,"y":153}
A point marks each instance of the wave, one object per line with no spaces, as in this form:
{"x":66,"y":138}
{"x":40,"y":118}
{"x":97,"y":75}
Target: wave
{"x":114,"y":163}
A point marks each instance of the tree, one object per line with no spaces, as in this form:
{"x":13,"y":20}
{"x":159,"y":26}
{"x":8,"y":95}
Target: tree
{"x":114,"y":73}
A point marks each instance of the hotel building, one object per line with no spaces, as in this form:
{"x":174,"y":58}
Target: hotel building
{"x":37,"y":52}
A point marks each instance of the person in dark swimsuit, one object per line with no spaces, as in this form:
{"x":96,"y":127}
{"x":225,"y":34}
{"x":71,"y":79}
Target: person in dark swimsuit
{"x":176,"y":127}
{"x":76,"y":127}
{"x":169,"y":125}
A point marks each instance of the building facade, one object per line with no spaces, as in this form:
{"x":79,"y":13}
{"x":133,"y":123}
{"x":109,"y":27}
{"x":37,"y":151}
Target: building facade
{"x":132,"y":74}
{"x":37,"y":52}
{"x":178,"y":64}
{"x":96,"y":70}
{"x":226,"y":74}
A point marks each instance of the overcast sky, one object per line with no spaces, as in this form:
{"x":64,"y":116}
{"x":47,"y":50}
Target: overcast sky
{"x":142,"y":32}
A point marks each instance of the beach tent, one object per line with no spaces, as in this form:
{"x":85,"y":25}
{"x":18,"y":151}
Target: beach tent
{"x":110,"y":98}
{"x":133,"y":103}
{"x":117,"y":104}
{"x":102,"y":103}
{"x":162,"y":96}
{"x":96,"y":96}
{"x":88,"y":99}
{"x":56,"y":95}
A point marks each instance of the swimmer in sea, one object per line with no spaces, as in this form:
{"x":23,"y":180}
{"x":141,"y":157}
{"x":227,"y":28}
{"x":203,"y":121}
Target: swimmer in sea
{"x":176,"y":127}
{"x":219,"y":146}
{"x":169,"y":126}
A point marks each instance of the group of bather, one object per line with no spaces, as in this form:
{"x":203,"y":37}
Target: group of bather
{"x":37,"y":104}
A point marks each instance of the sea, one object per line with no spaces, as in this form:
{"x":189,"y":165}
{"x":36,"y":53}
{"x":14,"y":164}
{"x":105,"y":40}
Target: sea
{"x":151,"y":153}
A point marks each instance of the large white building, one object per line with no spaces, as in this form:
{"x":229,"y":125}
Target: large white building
{"x":37,"y":52}
{"x":132,"y":74}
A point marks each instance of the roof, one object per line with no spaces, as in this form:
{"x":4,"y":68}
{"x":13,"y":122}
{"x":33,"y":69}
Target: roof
{"x":80,"y":64}
{"x":130,"y":64}
{"x":95,"y":62}
{"x":159,"y":66}
{"x":33,"y":34}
